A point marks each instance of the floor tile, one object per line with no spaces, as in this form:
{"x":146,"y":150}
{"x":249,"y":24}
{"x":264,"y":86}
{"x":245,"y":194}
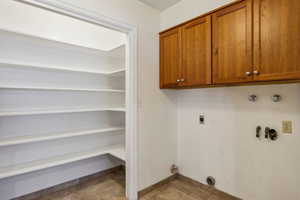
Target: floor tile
{"x":112,"y":187}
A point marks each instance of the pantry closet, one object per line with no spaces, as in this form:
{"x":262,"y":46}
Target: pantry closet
{"x":63,"y":104}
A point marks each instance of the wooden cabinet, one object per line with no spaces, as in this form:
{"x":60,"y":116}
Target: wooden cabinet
{"x":276,"y":39}
{"x":170,"y":59}
{"x":232,"y":44}
{"x":196,"y":52}
{"x":246,"y":42}
{"x":185,"y":55}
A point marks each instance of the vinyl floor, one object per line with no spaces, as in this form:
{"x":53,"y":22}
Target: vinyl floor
{"x":112,"y":187}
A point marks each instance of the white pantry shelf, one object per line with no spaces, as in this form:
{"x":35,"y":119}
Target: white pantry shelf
{"x":59,"y":89}
{"x":118,"y":153}
{"x":13,"y":64}
{"x":55,"y":42}
{"x":44,"y":112}
{"x":54,"y":136}
{"x":19,"y":169}
{"x":118,"y":73}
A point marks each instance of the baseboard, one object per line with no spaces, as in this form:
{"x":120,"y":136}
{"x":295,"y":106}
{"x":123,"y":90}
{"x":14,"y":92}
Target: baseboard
{"x":57,"y":188}
{"x":157,"y":185}
{"x":207,"y":187}
{"x":180,"y":177}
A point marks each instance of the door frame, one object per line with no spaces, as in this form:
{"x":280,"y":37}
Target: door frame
{"x":131,"y":31}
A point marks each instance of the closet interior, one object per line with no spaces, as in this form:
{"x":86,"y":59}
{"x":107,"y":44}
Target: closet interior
{"x":60,"y":104}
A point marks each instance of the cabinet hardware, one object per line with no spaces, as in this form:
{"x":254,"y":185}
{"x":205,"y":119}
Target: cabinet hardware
{"x":256,"y":72}
{"x":248,"y":73}
{"x":177,"y":80}
{"x":182,"y":80}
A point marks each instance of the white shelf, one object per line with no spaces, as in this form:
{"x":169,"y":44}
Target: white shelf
{"x":8,"y":63}
{"x":118,"y":73}
{"x":117,"y":109}
{"x":44,"y":112}
{"x":10,"y":171}
{"x":118,"y":153}
{"x":48,"y":137}
{"x":59,"y":43}
{"x":59,"y":89}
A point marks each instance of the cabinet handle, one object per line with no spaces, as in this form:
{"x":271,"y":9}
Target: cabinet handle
{"x":182,"y":80}
{"x":178,"y":80}
{"x":248,"y":73}
{"x":256,"y":72}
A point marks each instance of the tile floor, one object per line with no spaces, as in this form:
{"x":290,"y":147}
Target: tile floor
{"x":108,"y":187}
{"x":112,"y":187}
{"x":182,"y":189}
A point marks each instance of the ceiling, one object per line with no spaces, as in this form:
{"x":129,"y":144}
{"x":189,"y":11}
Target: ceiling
{"x":160,"y":4}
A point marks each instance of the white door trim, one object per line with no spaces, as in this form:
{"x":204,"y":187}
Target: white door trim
{"x":131,"y":77}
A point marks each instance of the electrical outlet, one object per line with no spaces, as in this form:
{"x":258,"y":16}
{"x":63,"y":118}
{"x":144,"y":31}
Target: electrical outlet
{"x":287,"y":127}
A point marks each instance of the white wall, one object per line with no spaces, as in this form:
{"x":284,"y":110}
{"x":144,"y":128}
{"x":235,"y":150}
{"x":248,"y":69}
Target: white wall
{"x":45,"y":24}
{"x":157,"y":109}
{"x":19,"y":49}
{"x":186,"y":10}
{"x":226,"y":147}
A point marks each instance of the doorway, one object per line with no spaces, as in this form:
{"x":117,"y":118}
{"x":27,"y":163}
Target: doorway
{"x":94,"y":94}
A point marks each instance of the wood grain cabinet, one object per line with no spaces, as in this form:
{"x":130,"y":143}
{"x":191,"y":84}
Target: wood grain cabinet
{"x":185,"y":55}
{"x":170,"y":58}
{"x":196,"y":52}
{"x":246,"y":42}
{"x":232,"y":44}
{"x":276,"y":39}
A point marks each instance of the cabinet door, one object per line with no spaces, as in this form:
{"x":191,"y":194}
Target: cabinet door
{"x":196,"y":52}
{"x":232,"y":44}
{"x":170,"y":59}
{"x":277,"y":39}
